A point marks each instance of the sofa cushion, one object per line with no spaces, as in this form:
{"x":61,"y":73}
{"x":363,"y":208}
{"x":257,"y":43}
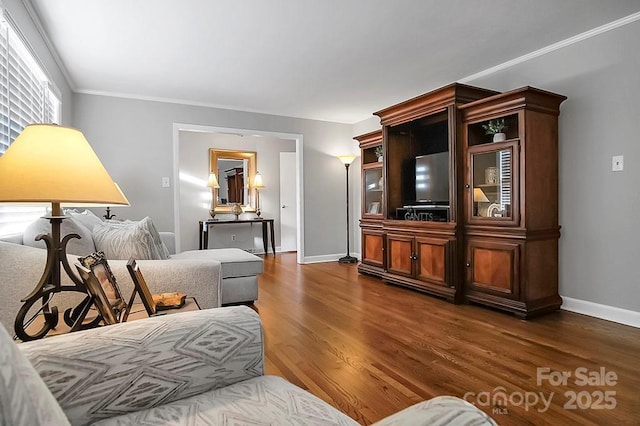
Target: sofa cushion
{"x":235,"y":262}
{"x":84,"y":217}
{"x":79,"y":247}
{"x":122,"y":240}
{"x":24,"y":398}
{"x":264,"y":400}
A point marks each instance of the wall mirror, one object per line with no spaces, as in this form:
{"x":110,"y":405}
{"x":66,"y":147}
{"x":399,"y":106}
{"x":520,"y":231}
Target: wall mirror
{"x":234,"y":170}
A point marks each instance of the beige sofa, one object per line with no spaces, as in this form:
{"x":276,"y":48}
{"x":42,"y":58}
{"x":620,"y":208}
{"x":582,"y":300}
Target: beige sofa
{"x":195,"y":368}
{"x":21,"y":267}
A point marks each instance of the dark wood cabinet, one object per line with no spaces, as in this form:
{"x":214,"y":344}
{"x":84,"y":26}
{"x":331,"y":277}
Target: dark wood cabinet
{"x":511,"y":227}
{"x":372,"y":235}
{"x":463,"y":214}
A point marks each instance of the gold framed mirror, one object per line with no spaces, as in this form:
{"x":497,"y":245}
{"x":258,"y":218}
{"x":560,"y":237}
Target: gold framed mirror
{"x":234,"y":171}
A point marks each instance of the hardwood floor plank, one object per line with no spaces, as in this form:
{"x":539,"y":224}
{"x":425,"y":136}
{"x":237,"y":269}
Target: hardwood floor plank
{"x":371,"y":349}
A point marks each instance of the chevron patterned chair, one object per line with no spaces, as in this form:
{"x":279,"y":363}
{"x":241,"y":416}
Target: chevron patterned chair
{"x":194,"y":368}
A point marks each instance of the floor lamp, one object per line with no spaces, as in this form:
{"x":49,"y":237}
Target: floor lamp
{"x":347,"y":160}
{"x":54,"y":164}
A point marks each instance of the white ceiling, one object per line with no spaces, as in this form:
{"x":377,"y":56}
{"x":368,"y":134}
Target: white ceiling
{"x":336,"y":60}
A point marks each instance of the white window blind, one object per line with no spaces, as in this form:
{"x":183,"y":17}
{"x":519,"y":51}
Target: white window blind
{"x":505,"y":179}
{"x":27,"y":96}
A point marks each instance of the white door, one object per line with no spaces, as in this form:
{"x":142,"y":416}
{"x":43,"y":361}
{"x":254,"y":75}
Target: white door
{"x":288,"y":224}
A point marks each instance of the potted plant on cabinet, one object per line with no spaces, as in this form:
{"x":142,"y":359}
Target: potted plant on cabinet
{"x":379,"y":152}
{"x":496,"y":128}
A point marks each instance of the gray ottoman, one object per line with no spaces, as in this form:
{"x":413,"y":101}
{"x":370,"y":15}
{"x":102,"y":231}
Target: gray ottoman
{"x":239,"y":272}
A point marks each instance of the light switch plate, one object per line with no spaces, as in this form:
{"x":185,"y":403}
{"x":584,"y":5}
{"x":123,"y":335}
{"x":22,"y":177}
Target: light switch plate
{"x":617,"y":163}
{"x":166,"y":183}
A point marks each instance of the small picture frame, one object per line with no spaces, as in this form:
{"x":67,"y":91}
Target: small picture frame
{"x":98,"y":265}
{"x":140,"y":287}
{"x":374,"y":207}
{"x":100,"y":299}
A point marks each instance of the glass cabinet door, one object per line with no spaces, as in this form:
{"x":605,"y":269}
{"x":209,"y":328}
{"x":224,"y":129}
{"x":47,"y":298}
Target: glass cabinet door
{"x":373,"y":185}
{"x":493,"y":175}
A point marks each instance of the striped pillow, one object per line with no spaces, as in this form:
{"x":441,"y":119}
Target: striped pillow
{"x":122,"y":240}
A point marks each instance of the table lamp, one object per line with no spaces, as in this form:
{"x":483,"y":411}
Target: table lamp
{"x":258,"y":184}
{"x":54,"y":164}
{"x":213,"y":184}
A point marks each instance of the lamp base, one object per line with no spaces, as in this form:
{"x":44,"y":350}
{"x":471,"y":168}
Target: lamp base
{"x":348,"y":259}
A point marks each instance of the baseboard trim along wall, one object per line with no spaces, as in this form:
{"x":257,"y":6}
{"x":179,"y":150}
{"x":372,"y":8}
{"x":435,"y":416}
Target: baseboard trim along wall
{"x":605,"y":312}
{"x":323,"y":258}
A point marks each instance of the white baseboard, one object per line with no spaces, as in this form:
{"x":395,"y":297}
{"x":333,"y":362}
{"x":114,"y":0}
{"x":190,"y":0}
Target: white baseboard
{"x":605,"y":312}
{"x":324,"y":258}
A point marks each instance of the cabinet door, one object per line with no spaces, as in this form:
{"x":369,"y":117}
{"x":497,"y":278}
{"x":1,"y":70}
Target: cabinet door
{"x":372,"y":248}
{"x":372,"y":191}
{"x":400,"y":254}
{"x":493,"y":266}
{"x":493,"y":197}
{"x":433,"y":260}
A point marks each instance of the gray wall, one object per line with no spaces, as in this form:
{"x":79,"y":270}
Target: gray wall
{"x":28,"y":29}
{"x":194,"y":200}
{"x":134,"y":140}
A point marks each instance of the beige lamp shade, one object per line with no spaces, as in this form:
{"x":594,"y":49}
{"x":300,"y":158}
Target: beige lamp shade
{"x":479,"y":196}
{"x":257,"y":181}
{"x":56,"y":164}
{"x":347,"y":159}
{"x":213,"y":181}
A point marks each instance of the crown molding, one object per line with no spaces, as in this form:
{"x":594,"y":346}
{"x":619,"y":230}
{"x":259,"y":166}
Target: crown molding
{"x":553,"y":47}
{"x":37,"y":22}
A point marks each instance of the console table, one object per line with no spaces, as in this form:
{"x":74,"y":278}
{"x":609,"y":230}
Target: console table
{"x":203,"y":231}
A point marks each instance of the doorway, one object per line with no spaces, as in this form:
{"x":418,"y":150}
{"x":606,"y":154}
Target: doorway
{"x":298,"y":189}
{"x":288,"y":202}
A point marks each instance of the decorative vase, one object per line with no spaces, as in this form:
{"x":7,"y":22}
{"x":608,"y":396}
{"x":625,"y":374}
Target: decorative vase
{"x":237,"y":210}
{"x":491,"y":175}
{"x":499,"y":137}
{"x":380,"y":159}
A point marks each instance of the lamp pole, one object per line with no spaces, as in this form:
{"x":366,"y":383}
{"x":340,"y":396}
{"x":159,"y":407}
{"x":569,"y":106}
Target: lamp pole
{"x":347,"y":159}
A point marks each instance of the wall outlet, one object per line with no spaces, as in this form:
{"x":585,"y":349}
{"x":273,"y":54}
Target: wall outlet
{"x":166,"y":183}
{"x":617,"y":163}
{"x":233,"y":237}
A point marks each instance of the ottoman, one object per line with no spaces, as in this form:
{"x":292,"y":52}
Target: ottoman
{"x":240,"y":272}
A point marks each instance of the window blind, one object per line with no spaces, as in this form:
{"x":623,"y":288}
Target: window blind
{"x":27,"y":96}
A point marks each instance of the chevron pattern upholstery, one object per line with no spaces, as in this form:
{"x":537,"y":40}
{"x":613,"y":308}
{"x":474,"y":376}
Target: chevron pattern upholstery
{"x":266,"y":400}
{"x":127,"y":367}
{"x":193,"y":368}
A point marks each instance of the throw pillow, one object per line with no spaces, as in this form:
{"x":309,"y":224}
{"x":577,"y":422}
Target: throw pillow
{"x":85,"y":217}
{"x":24,"y":398}
{"x":122,"y":240}
{"x":147,"y":224}
{"x":78,"y":247}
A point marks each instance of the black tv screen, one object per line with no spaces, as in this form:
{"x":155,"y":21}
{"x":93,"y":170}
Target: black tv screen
{"x":432,"y":178}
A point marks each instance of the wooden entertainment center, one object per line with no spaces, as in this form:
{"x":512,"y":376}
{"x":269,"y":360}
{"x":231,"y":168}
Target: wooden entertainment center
{"x":451,"y":212}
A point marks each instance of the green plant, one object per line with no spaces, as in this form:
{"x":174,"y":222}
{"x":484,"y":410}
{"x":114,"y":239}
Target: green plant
{"x":495,"y":126}
{"x":379,"y":151}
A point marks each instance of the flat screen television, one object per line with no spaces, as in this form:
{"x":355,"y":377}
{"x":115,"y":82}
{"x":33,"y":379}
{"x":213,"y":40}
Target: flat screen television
{"x":432,"y":179}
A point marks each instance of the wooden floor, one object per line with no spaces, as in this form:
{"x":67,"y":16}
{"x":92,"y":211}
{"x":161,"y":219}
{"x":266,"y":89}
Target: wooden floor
{"x":371,"y":349}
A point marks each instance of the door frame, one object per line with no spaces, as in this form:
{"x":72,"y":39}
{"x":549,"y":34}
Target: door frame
{"x":287,"y":156}
{"x":177,"y":127}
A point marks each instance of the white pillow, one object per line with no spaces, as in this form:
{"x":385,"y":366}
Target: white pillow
{"x":78,"y":247}
{"x":85,"y":217}
{"x":122,"y":240}
{"x":147,"y":224}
